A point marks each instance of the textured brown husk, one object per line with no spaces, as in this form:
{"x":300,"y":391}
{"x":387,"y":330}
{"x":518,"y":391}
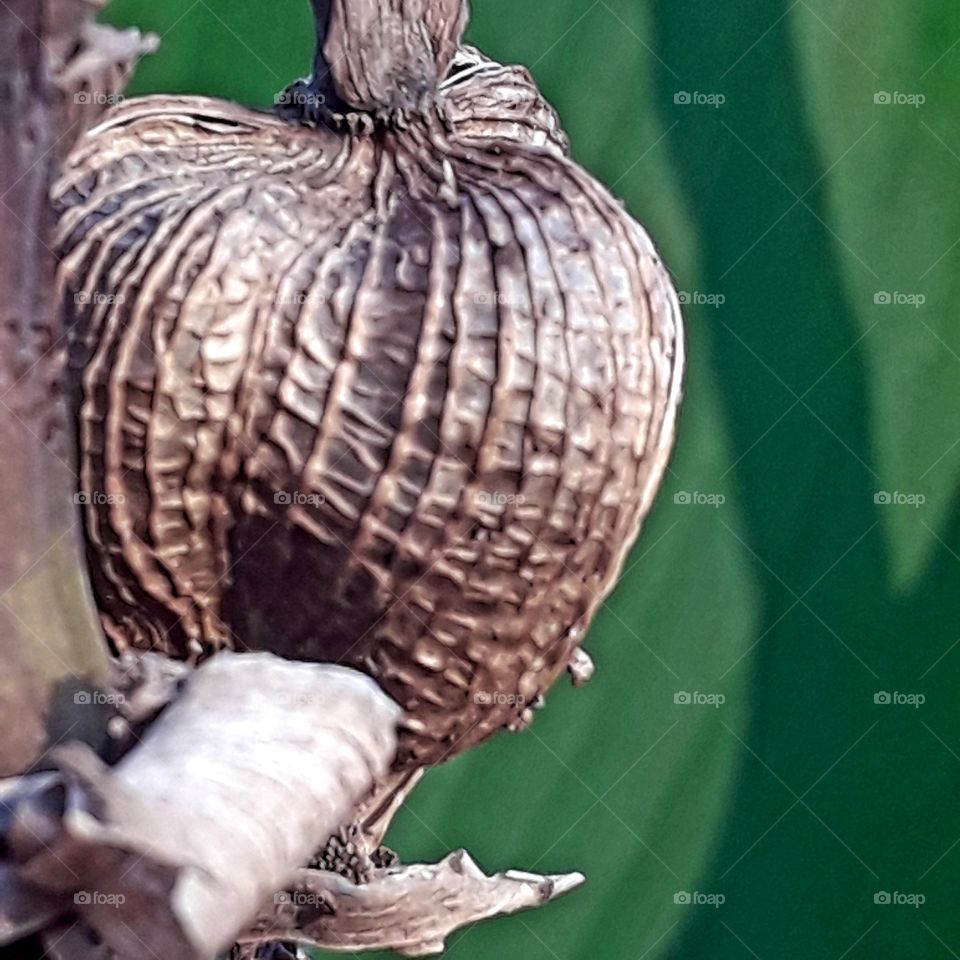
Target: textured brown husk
{"x":384,"y":379}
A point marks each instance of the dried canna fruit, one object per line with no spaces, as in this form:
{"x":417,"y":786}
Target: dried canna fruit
{"x":384,"y":378}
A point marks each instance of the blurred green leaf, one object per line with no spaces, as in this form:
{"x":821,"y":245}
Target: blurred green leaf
{"x":886,"y":86}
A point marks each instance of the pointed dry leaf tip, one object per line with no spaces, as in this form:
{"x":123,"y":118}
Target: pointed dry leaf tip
{"x":409,"y":909}
{"x":381,"y":56}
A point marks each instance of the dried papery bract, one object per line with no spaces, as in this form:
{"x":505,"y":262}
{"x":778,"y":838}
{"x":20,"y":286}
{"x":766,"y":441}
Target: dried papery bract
{"x":172,"y":851}
{"x":391,"y":385}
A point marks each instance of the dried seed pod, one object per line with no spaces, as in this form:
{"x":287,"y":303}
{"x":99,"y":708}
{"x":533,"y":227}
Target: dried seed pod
{"x":385,"y":379}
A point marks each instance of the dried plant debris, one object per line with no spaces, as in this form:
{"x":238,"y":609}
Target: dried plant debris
{"x":178,"y":845}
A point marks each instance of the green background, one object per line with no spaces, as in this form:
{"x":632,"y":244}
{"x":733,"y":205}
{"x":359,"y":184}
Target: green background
{"x":798,"y":202}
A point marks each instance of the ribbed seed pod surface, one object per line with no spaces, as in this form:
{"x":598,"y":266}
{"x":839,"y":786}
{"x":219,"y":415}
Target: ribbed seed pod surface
{"x":384,"y":378}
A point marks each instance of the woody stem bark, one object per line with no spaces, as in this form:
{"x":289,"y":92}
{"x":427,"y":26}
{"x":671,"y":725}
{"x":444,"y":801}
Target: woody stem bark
{"x":50,"y":642}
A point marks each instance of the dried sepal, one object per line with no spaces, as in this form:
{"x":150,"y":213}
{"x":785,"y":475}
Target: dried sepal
{"x":410,"y":910}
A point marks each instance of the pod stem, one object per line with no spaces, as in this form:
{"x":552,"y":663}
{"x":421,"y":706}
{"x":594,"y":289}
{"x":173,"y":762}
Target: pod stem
{"x":383,"y":56}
